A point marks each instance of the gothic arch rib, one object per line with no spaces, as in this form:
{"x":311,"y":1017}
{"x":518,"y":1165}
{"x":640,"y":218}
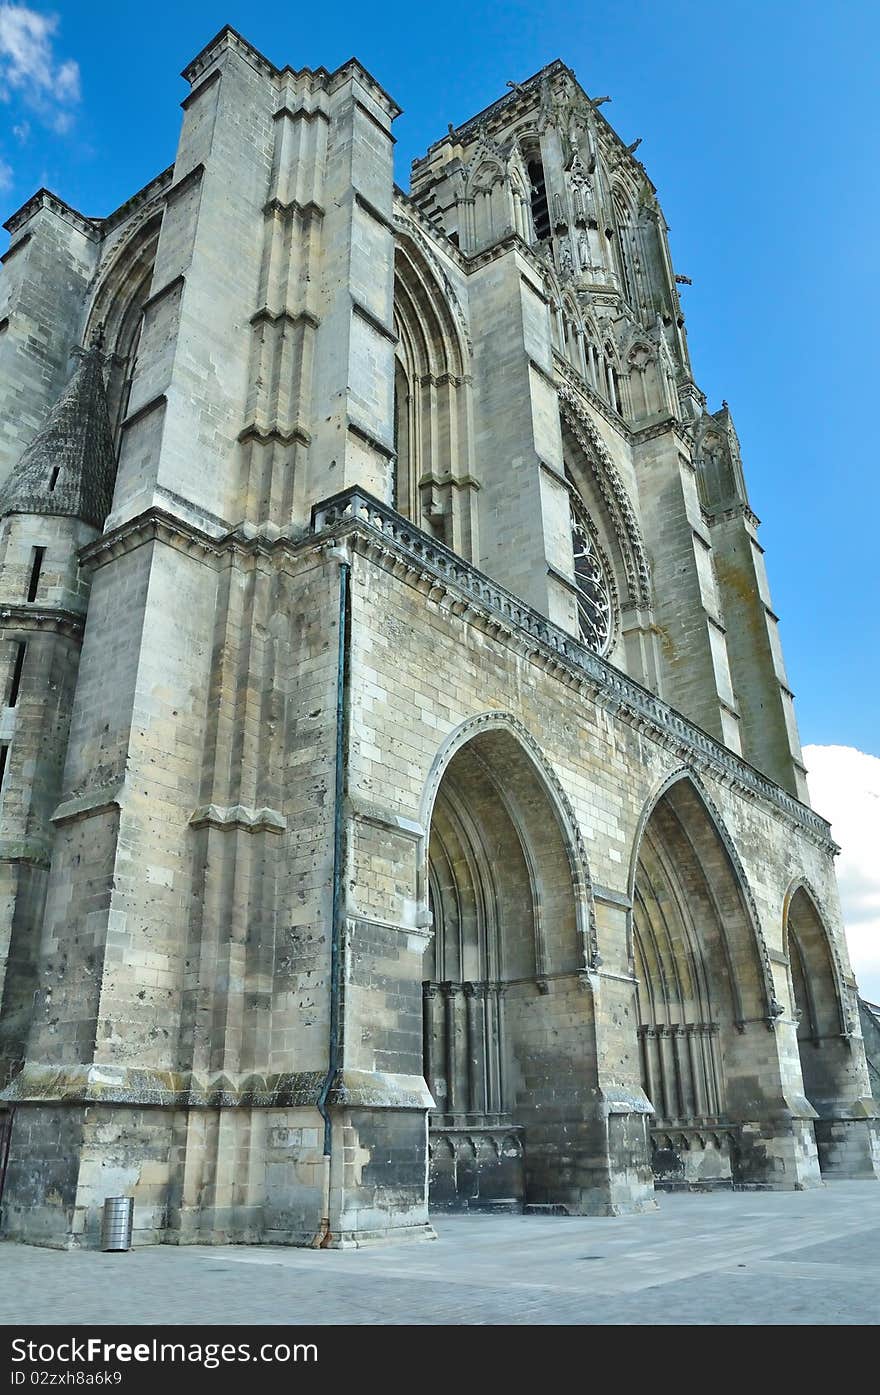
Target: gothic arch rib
{"x":614,"y":494}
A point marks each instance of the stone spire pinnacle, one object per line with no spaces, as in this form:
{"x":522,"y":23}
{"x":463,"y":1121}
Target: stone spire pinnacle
{"x":69,"y":467}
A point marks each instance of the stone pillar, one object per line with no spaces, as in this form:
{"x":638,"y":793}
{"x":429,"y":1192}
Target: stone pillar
{"x":429,"y":998}
{"x":769,"y":727}
{"x":353,"y":394}
{"x":47,"y":268}
{"x":525,"y":529}
{"x":687,"y":606}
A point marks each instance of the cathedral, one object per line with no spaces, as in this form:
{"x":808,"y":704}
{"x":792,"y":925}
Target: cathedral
{"x":402,"y":807}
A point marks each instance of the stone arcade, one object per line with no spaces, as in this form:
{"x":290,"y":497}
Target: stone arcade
{"x":402,"y":804}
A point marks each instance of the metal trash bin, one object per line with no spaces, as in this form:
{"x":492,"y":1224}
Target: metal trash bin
{"x":117,"y":1222}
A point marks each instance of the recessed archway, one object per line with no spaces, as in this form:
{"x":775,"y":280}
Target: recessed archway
{"x":506,"y":892}
{"x":827,"y":1065}
{"x":701,"y":985}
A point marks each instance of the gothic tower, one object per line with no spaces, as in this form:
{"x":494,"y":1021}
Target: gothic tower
{"x":402,"y":797}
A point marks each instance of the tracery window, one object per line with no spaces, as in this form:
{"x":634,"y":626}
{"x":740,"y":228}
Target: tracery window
{"x":595,"y":606}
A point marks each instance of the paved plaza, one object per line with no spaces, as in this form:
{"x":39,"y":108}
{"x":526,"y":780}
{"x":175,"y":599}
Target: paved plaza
{"x":735,"y":1257}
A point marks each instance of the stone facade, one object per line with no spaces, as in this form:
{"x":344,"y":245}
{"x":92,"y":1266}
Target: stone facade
{"x":402,"y":800}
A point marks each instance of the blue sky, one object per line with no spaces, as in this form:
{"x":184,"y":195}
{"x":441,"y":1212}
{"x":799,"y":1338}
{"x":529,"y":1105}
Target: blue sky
{"x":759,"y":126}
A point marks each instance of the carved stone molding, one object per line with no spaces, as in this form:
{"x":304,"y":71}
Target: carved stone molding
{"x":434,"y":569}
{"x":613,"y":492}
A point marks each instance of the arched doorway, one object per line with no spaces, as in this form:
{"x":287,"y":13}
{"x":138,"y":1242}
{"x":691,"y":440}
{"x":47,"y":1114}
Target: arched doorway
{"x":700,"y":989}
{"x":508,"y":946}
{"x":829,"y":1072}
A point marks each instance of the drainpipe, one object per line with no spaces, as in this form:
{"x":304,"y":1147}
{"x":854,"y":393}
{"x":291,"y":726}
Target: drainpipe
{"x":342,"y":556}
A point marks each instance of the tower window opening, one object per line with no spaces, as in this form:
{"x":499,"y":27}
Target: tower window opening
{"x":15,"y":680}
{"x":53,"y":478}
{"x":36,"y":568}
{"x":4,"y":756}
{"x":540,"y":207}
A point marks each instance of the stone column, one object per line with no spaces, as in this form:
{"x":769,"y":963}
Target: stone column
{"x":475,"y":1004}
{"x":450,"y":994}
{"x":429,"y":998}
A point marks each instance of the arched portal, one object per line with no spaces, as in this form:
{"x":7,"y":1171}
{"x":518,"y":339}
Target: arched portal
{"x":701,"y":987}
{"x":508,"y":946}
{"x":827,"y":1066}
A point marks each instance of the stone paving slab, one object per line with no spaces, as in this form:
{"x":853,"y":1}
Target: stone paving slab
{"x":735,"y":1258}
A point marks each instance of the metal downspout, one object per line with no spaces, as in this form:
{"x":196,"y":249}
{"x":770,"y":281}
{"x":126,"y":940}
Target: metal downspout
{"x":341,"y":554}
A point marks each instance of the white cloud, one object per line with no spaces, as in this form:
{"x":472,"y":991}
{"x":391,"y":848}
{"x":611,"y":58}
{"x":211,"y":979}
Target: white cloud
{"x":845,"y":788}
{"x":29,"y":69}
{"x":5,"y":175}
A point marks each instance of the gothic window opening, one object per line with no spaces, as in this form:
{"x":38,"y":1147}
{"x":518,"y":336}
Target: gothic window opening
{"x":595,"y":607}
{"x":540,"y":205}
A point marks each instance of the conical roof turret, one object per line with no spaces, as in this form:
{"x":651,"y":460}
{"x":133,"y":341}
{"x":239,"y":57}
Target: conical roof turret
{"x":69,"y":468}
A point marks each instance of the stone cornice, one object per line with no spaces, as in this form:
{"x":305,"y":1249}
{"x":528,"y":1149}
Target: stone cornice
{"x":11,"y":251}
{"x":83,"y":1083}
{"x":44,"y":198}
{"x":381,"y":534}
{"x":229,"y":39}
{"x":509,"y":241}
{"x":153,"y":525}
{"x":40,"y":618}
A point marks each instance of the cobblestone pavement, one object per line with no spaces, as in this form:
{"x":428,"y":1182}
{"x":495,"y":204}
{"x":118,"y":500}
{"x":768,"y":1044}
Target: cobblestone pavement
{"x":743,"y":1257}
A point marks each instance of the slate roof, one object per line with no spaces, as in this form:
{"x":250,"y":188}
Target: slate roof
{"x":69,"y":468}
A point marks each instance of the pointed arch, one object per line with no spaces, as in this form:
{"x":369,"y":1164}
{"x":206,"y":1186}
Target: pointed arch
{"x":547,"y":779}
{"x":434,"y":484}
{"x":686,"y":775}
{"x":823,"y":941}
{"x":704,"y":985}
{"x":121,"y":290}
{"x":508,"y":965}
